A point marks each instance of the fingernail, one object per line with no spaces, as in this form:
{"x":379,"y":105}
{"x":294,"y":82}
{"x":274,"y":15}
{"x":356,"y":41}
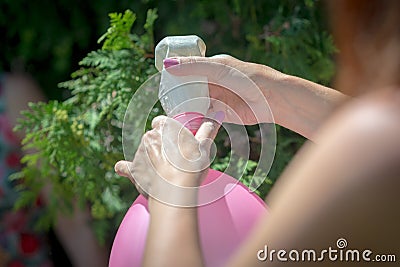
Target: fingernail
{"x":219,"y":116}
{"x":169,"y":62}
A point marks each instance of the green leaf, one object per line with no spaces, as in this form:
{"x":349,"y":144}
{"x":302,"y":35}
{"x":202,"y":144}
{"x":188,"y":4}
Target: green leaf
{"x":117,"y":36}
{"x":112,"y":200}
{"x":150,"y":19}
{"x":26,"y":198}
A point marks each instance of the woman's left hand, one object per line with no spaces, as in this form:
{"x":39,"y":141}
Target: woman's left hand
{"x":170,"y":162}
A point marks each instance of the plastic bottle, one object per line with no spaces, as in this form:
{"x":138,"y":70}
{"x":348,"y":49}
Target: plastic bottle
{"x":184,"y":98}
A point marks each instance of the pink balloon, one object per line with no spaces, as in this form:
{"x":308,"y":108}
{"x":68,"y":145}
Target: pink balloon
{"x":223,"y":224}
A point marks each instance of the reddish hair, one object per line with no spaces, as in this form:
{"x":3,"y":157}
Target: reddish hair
{"x":367,"y":34}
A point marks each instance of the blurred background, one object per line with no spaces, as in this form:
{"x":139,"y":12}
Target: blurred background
{"x":48,"y":38}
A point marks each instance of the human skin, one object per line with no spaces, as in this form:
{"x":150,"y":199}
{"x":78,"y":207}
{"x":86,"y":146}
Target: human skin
{"x":295,"y":103}
{"x":165,"y":136}
{"x":344,"y":187}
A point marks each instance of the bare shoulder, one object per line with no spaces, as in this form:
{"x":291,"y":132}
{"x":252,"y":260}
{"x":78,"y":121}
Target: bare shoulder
{"x":367,"y":128}
{"x":360,"y":141}
{"x":329,"y":189}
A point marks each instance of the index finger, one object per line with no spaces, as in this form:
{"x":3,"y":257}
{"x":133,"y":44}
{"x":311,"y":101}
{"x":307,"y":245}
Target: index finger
{"x":158,"y":121}
{"x":209,"y":128}
{"x":210,"y":67}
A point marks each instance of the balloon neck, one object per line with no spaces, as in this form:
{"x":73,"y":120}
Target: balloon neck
{"x":191,"y":120}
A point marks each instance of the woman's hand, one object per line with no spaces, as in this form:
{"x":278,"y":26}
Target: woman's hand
{"x":251,"y":93}
{"x":236,"y":87}
{"x":170,"y":162}
{"x":169,"y":165}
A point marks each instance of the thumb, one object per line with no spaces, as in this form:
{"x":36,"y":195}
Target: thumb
{"x":209,"y":129}
{"x":123,"y":168}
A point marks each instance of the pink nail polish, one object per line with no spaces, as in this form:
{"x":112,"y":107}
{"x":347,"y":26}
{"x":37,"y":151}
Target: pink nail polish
{"x":169,"y":62}
{"x":219,"y":117}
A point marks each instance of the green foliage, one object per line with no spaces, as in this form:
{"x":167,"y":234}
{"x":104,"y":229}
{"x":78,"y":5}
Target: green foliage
{"x":259,"y":183}
{"x":117,"y":36}
{"x":50,"y":39}
{"x":77,"y":142}
{"x":288,"y":35}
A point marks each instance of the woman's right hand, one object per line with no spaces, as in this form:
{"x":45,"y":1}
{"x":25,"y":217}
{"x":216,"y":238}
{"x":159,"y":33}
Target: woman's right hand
{"x":242,"y":90}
